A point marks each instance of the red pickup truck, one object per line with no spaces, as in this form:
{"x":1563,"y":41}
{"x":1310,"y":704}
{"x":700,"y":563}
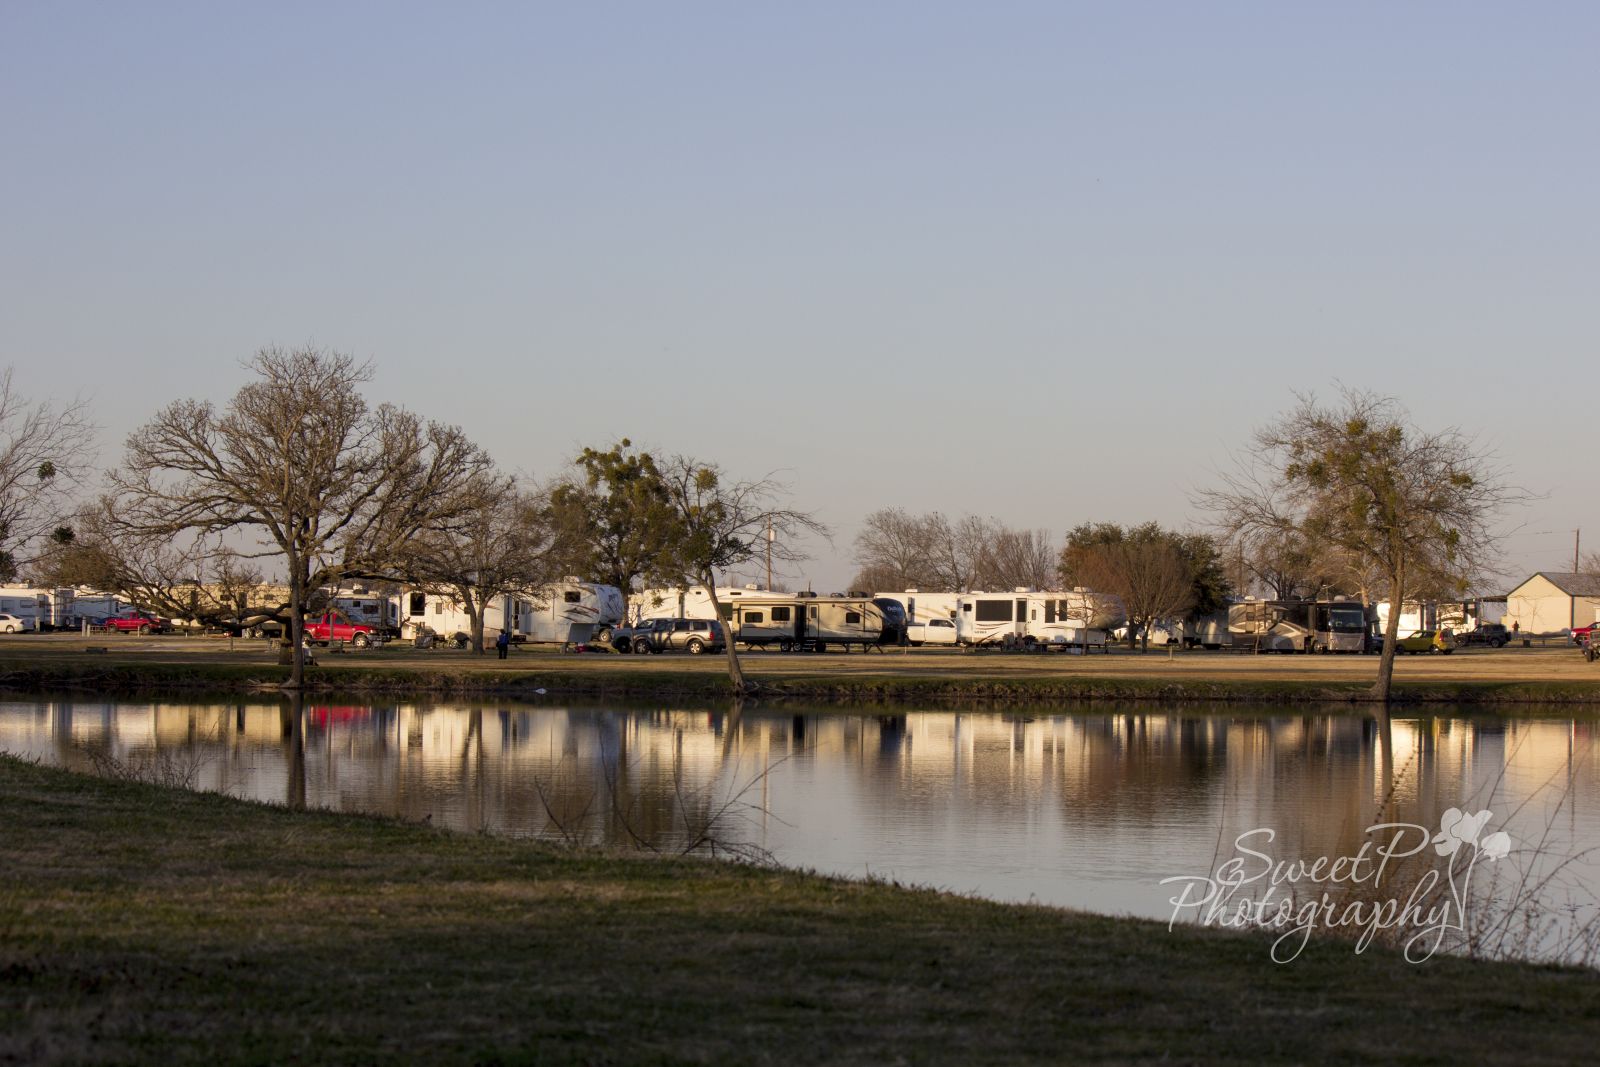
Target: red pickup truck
{"x":330,"y":627}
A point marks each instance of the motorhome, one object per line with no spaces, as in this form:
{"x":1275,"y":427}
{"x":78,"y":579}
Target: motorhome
{"x":565,"y":612}
{"x":806,"y":622}
{"x":1052,"y":618}
{"x":1299,"y":625}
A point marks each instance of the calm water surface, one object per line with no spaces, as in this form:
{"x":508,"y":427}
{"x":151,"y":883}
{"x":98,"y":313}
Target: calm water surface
{"x":1087,"y":810}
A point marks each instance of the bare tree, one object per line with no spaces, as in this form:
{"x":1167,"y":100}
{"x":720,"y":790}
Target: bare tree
{"x":1017,"y":558}
{"x":1417,"y":507}
{"x":894,"y":550}
{"x":331,"y":486}
{"x":720,"y":524}
{"x":45,"y":451}
{"x":185,"y":575}
{"x":502,"y":544}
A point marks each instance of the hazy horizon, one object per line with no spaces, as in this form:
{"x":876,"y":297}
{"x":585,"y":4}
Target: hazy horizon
{"x":1046,"y":262}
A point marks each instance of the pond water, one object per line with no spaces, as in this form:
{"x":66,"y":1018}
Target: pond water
{"x":1085,"y":809}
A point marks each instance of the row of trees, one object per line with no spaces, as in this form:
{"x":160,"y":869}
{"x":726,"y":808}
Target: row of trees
{"x":898,"y":550}
{"x":299,"y":474}
{"x":300,"y":470}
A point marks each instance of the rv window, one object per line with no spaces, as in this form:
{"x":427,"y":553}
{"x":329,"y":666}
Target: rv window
{"x":756,"y":616}
{"x":572,"y":596}
{"x":852,"y":618}
{"x":780,"y":614}
{"x":419,"y":603}
{"x":967,"y":608}
{"x":994,"y":611}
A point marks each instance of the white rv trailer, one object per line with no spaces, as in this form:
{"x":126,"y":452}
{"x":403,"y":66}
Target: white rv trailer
{"x":1051,"y":618}
{"x":87,"y":604}
{"x":369,"y":608}
{"x":805,"y":621}
{"x":565,"y":612}
{"x":39,"y":609}
{"x":921,"y":607}
{"x":692,"y":603}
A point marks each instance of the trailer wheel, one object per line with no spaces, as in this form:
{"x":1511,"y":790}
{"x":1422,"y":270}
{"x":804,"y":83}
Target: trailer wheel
{"x":820,"y":646}
{"x":785,"y":646}
{"x":361,"y":640}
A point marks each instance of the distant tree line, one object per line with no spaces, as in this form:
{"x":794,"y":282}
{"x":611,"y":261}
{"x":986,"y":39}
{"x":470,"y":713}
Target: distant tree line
{"x":299,"y":472}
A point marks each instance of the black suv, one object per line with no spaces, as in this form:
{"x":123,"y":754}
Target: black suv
{"x":1492,"y":634}
{"x":662,"y":635}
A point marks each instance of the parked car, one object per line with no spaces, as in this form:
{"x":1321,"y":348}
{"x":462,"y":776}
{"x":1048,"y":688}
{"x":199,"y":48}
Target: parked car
{"x":142,"y":622}
{"x":1426,"y":641}
{"x":664,"y":635}
{"x":1493,"y":634}
{"x":932,"y":632}
{"x":11,"y":624}
{"x":330,"y":626}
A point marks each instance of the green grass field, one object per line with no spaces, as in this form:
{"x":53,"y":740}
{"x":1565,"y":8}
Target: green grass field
{"x":141,"y":925}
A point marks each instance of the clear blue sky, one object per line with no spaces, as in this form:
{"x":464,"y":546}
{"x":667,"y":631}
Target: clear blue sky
{"x":1050,"y":262}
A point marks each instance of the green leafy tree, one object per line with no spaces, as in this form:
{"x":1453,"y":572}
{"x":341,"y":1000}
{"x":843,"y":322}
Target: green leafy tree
{"x":614,"y":518}
{"x":1414,"y":507}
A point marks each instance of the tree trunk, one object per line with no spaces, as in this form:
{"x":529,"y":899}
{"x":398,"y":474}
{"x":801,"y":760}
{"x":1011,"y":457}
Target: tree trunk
{"x":1391,"y":634}
{"x":735,"y":673}
{"x":475,"y":614}
{"x":297,"y":625}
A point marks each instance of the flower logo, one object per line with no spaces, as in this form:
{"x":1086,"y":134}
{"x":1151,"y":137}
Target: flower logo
{"x":1457,"y":828}
{"x":1497,"y":845}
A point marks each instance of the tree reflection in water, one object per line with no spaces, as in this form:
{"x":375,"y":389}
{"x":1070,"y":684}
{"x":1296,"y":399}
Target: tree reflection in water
{"x":1088,"y":809}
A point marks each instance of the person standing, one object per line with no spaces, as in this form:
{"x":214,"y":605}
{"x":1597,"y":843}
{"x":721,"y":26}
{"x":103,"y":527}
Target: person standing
{"x":502,"y":644}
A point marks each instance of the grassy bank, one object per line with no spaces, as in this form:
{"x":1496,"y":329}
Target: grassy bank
{"x":142,"y":925}
{"x":1525,"y":677}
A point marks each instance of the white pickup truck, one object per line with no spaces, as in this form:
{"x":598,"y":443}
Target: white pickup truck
{"x":931,"y":632}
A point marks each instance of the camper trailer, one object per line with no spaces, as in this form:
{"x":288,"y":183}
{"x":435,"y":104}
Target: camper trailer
{"x":805,"y":622}
{"x":565,"y":612}
{"x":693,"y":603}
{"x":1052,"y":618}
{"x":39,"y":609}
{"x":378,"y":611}
{"x":921,"y":607}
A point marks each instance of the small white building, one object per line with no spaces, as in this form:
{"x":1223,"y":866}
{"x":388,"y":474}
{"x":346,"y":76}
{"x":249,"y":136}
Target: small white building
{"x":1553,"y":601}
